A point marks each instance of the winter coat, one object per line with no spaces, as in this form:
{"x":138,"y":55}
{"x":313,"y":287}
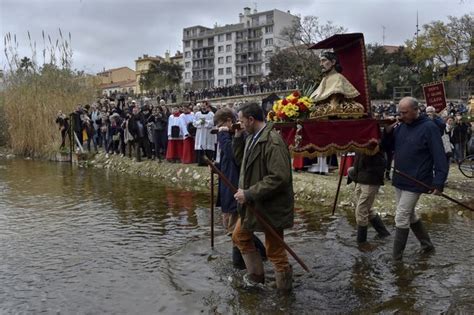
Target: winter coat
{"x":369,"y":169}
{"x":266,"y":178}
{"x":419,"y":151}
{"x":230,"y":168}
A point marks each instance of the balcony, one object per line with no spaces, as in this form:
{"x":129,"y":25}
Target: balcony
{"x":241,"y":62}
{"x":255,"y":73}
{"x":254,"y":49}
{"x":256,"y":60}
{"x":241,"y":39}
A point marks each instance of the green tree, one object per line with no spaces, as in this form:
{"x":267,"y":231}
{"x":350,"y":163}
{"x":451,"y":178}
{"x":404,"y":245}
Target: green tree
{"x":162,"y":75}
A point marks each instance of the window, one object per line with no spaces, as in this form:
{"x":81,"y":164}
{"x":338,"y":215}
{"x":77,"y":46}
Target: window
{"x":187,"y":43}
{"x":220,"y":38}
{"x":220,"y":71}
{"x":228,"y":48}
{"x":220,"y":60}
{"x":269,"y":18}
{"x":187,"y":54}
{"x":187,"y":75}
{"x":268,"y":41}
{"x":187,"y":64}
{"x":210,"y":42}
{"x":228,"y":59}
{"x":228,"y":70}
{"x":228,"y":36}
{"x":228,"y":82}
{"x":220,"y":49}
{"x":220,"y":82}
{"x":268,"y":54}
{"x":268,"y":29}
{"x":267,"y":66}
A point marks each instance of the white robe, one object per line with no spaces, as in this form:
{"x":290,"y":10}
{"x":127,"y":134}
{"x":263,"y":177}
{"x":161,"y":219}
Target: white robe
{"x":204,"y":139}
{"x":187,"y":118}
{"x":176,"y":121}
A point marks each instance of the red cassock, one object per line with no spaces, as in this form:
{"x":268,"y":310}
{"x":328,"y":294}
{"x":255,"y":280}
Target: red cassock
{"x":175,"y":138}
{"x":188,"y":151}
{"x":175,"y":149}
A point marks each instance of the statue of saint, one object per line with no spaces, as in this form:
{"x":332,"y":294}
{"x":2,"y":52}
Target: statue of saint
{"x":335,"y":95}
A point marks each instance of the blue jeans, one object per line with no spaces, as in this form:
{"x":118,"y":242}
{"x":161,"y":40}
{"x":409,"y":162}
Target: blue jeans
{"x":459,"y":149}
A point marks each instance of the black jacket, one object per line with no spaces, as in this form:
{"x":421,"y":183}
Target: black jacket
{"x":369,"y":169}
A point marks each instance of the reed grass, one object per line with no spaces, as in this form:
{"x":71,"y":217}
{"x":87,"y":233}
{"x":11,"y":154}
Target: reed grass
{"x":35,"y":93}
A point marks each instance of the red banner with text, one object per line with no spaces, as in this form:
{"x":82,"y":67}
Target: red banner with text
{"x":435,"y":95}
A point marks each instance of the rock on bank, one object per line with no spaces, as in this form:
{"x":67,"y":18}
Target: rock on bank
{"x":309,"y":188}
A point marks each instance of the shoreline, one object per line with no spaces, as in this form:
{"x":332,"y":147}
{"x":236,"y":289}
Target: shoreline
{"x":310,"y":189}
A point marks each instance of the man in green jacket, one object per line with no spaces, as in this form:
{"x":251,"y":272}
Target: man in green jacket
{"x":266,"y":184}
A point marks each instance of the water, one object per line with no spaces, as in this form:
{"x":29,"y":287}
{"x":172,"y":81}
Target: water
{"x":78,"y":240}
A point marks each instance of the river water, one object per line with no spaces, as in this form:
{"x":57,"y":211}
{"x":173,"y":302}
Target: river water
{"x":89,"y":241}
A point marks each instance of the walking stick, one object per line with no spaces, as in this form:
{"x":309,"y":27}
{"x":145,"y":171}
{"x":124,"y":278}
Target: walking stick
{"x":267,"y":226}
{"x":212,"y":209}
{"x":430,"y":188}
{"x":339,"y":184}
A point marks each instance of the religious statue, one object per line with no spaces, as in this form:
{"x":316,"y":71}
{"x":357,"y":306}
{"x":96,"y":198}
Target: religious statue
{"x":334,"y":97}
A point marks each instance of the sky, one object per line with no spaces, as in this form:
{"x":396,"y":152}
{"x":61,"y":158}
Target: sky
{"x":114,"y":33}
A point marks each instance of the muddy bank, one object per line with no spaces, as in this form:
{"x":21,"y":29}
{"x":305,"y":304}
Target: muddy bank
{"x":310,"y":189}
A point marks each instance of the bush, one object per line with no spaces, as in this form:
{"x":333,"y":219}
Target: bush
{"x":34,"y":94}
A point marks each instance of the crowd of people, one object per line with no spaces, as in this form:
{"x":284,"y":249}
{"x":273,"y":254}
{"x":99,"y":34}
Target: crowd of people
{"x":240,"y":89}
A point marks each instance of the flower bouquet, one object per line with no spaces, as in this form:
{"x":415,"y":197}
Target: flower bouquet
{"x":291,"y":108}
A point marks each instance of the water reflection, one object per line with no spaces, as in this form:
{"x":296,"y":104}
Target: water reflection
{"x":91,"y":241}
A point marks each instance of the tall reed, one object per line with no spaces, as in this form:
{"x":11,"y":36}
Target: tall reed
{"x":35,"y":93}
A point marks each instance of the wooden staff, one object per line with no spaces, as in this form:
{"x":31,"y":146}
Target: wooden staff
{"x":212,"y":209}
{"x":339,"y":184}
{"x":430,"y":188}
{"x":267,"y":226}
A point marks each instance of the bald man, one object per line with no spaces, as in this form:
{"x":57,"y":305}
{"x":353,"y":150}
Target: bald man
{"x":419,"y":152}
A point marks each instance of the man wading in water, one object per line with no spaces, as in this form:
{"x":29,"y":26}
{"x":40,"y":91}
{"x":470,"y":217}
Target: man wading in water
{"x":266,"y":184}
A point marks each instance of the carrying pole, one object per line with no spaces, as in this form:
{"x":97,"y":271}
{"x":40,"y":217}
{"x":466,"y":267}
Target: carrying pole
{"x":262,"y":220}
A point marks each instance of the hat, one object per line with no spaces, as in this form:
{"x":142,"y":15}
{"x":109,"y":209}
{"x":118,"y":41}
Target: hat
{"x":162,"y":102}
{"x":430,"y":109}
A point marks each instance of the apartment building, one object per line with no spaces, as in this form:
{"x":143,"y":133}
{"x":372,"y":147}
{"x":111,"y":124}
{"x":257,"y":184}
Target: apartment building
{"x":235,"y":53}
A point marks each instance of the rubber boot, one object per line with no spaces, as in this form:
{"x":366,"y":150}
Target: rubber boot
{"x":254,"y":264}
{"x":399,"y":243}
{"x":378,"y":225}
{"x":260,"y":247}
{"x":237,"y":260}
{"x":361,"y":234}
{"x":387,"y":175}
{"x":421,"y":234}
{"x":284,"y":280}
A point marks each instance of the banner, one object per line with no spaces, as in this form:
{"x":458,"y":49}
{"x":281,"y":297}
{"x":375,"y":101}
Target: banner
{"x":435,"y":95}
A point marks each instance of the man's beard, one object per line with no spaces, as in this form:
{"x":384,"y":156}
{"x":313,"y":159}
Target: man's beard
{"x":328,"y":70}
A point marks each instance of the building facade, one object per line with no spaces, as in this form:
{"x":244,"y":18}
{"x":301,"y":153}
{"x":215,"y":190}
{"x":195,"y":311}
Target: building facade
{"x":117,"y":80}
{"x":236,"y":53}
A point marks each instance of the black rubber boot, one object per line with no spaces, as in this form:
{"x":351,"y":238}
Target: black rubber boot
{"x":387,"y":175}
{"x":401,"y":237}
{"x":378,"y":225}
{"x":361,"y":234}
{"x":260,"y":247}
{"x":421,"y":234}
{"x":237,"y":260}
